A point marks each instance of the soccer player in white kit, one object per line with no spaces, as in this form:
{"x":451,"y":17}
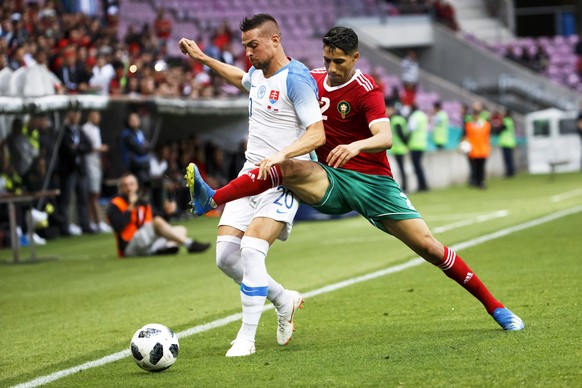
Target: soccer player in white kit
{"x":284,"y":118}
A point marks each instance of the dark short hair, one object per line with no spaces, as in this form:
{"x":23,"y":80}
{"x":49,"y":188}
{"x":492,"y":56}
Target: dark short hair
{"x":343,"y":38}
{"x":252,"y":22}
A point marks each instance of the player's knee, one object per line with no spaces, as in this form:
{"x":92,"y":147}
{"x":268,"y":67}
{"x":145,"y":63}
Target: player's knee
{"x":434,"y":250}
{"x":288,"y":168}
{"x":228,"y":260}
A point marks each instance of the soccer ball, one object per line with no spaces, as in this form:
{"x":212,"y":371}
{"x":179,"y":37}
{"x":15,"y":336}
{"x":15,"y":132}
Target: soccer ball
{"x":154,"y":347}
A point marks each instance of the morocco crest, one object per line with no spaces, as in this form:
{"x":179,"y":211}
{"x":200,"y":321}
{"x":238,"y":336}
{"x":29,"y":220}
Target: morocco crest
{"x":343,"y":108}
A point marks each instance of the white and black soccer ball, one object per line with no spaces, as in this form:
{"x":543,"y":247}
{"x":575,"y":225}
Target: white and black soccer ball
{"x":154,"y":347}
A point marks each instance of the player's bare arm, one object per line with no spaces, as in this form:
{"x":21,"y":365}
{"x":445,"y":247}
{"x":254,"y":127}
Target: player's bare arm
{"x":231,"y":74}
{"x":314,"y":137}
{"x":380,"y":140}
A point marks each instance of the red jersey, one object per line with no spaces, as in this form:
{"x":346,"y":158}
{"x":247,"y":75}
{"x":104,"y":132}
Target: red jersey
{"x":348,"y":112}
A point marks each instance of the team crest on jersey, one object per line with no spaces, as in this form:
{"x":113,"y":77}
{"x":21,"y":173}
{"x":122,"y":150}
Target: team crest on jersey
{"x":262,"y":91}
{"x":343,"y":108}
{"x":274,"y":96}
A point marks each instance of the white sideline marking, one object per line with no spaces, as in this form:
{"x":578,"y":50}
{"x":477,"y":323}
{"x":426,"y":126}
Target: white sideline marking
{"x":332,"y":287}
{"x":438,"y":229}
{"x":566,"y":195}
{"x":482,"y":218}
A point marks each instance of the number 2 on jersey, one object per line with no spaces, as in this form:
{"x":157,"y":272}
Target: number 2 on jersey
{"x":326,"y":103}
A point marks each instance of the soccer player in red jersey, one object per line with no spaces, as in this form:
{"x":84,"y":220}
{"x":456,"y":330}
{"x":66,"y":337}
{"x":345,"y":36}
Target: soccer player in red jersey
{"x":353,"y":172}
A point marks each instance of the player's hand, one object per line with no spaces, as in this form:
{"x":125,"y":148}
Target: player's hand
{"x":266,"y":164}
{"x":190,"y":48}
{"x":341,"y":154}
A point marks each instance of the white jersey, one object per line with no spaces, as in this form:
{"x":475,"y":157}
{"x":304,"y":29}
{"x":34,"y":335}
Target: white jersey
{"x":281,"y":107}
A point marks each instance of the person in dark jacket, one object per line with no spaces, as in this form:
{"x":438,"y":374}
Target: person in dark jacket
{"x":135,"y":150}
{"x":72,"y":174}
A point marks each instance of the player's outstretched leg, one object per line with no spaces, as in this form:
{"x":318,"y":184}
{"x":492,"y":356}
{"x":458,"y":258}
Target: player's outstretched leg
{"x":200,"y":193}
{"x":507,"y":319}
{"x":285,"y":315}
{"x":455,"y":268}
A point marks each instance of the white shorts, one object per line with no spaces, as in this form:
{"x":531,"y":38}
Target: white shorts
{"x":144,"y":242}
{"x":94,"y":174}
{"x":279,"y":204}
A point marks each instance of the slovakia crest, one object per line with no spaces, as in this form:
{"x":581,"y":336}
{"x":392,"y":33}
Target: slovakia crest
{"x":274,"y":96}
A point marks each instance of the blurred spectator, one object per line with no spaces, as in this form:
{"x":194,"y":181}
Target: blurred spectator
{"x":138,"y":232}
{"x":73,"y":74}
{"x":410,"y":70}
{"x":135,"y":149}
{"x":159,"y":165}
{"x":439,"y":126}
{"x":505,"y":128}
{"x":541,"y":58}
{"x":11,"y":183}
{"x":38,"y":79}
{"x":5,"y":75}
{"x":117,"y":83}
{"x":72,"y":175}
{"x":102,"y":75}
{"x":418,"y":143}
{"x":400,"y":137}
{"x":477,"y":134}
{"x":94,"y":169}
{"x":394,"y":99}
{"x":24,"y":147}
{"x":223,"y":35}
{"x":132,"y":88}
{"x":162,"y":28}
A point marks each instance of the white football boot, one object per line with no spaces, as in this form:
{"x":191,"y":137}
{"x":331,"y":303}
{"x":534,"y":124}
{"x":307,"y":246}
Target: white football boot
{"x":241,"y":347}
{"x":285,"y":315}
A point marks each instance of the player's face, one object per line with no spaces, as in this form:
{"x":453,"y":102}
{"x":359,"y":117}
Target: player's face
{"x":339,"y":65}
{"x":259,"y":48}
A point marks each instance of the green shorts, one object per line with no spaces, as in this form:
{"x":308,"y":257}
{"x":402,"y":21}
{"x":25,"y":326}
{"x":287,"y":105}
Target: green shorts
{"x":376,"y":197}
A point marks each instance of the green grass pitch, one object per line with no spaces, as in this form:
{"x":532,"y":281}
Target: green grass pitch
{"x":410,"y":328}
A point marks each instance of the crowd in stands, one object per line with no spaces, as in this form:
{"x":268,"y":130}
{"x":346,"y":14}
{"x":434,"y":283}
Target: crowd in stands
{"x":77,"y":52}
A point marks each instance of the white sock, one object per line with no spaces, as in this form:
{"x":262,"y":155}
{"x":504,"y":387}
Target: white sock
{"x":228,"y":258}
{"x":255,"y":284}
{"x":277,"y":294}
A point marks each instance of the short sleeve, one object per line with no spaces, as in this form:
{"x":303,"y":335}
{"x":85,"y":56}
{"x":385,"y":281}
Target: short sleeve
{"x":374,"y":107}
{"x":246,"y":80}
{"x":302,"y":91}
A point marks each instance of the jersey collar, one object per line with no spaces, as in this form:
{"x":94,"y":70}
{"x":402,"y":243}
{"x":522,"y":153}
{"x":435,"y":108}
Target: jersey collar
{"x":332,"y":88}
